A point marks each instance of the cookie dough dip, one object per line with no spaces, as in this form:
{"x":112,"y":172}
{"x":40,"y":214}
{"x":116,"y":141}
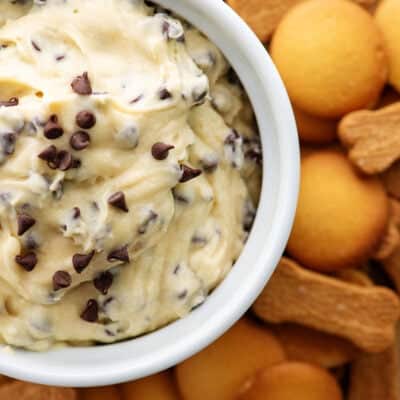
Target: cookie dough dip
{"x":129,"y":170}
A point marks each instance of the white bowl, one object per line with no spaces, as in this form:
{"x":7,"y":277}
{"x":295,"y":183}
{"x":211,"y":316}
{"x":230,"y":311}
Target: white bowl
{"x":136,"y":358}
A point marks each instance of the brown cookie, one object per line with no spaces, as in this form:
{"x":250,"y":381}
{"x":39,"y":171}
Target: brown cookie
{"x":377,"y":376}
{"x":263,"y":16}
{"x":372,"y":137}
{"x":364,"y":315}
{"x":391,"y":239}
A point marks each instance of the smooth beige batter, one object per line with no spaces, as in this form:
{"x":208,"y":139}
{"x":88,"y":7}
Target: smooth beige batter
{"x":150,"y":81}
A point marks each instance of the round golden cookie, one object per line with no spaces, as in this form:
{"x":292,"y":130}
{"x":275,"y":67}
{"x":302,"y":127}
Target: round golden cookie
{"x":292,"y":381}
{"x":331,"y":57}
{"x":156,"y":387}
{"x":315,"y":130}
{"x":388,"y":18}
{"x":262,"y":16}
{"x":19,"y":390}
{"x":218,"y":371}
{"x":100,"y":393}
{"x":341,"y":216}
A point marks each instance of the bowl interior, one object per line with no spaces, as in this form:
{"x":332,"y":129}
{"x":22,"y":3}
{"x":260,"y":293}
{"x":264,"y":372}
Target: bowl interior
{"x":103,"y":365}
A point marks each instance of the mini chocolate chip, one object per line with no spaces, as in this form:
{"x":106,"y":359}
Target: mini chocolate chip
{"x":136,"y":99}
{"x":209,"y":165}
{"x":164,"y":94}
{"x":254,"y":154}
{"x":91,"y":311}
{"x":180,"y":197}
{"x":80,"y":140}
{"x":189,"y":173}
{"x":52,"y":129}
{"x":108,"y":301}
{"x":199,"y":96}
{"x":252,"y":149}
{"x":81,"y":261}
{"x":199,"y":240}
{"x":85,"y":119}
{"x":212,"y":58}
{"x":24,"y":222}
{"x":31,"y":128}
{"x":8,"y":143}
{"x":234,"y":148}
{"x":81,"y":84}
{"x":117,"y":200}
{"x":61,"y":280}
{"x":76,"y":212}
{"x":144,"y":226}
{"x":76,"y":163}
{"x":26,"y":206}
{"x":249,"y":214}
{"x":181,"y":38}
{"x":196,"y":306}
{"x":232,"y":137}
{"x":60,"y":58}
{"x":120,"y":254}
{"x":58,"y":191}
{"x":165,"y":28}
{"x":5,"y":197}
{"x":232,"y":77}
{"x":160,"y":150}
{"x":95,"y":206}
{"x":27,"y":261}
{"x":31,"y":243}
{"x":49,"y":154}
{"x":103,"y":282}
{"x":64,"y":160}
{"x":182,"y":294}
{"x":35,"y":46}
{"x":13,"y":101}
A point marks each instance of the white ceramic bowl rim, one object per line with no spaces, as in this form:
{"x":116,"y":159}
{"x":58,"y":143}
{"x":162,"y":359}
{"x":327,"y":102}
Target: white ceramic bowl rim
{"x":103,"y":365}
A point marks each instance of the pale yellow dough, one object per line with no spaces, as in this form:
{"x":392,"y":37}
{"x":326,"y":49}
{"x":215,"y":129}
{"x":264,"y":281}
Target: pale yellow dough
{"x":178,"y":256}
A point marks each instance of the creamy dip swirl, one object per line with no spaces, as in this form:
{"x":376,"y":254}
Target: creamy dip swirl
{"x":129,"y":170}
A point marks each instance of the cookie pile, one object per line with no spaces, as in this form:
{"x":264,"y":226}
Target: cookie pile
{"x":326,"y":325}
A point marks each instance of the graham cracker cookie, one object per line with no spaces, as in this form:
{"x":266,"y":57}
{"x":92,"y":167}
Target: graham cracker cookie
{"x":377,"y":376}
{"x":364,"y":315}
